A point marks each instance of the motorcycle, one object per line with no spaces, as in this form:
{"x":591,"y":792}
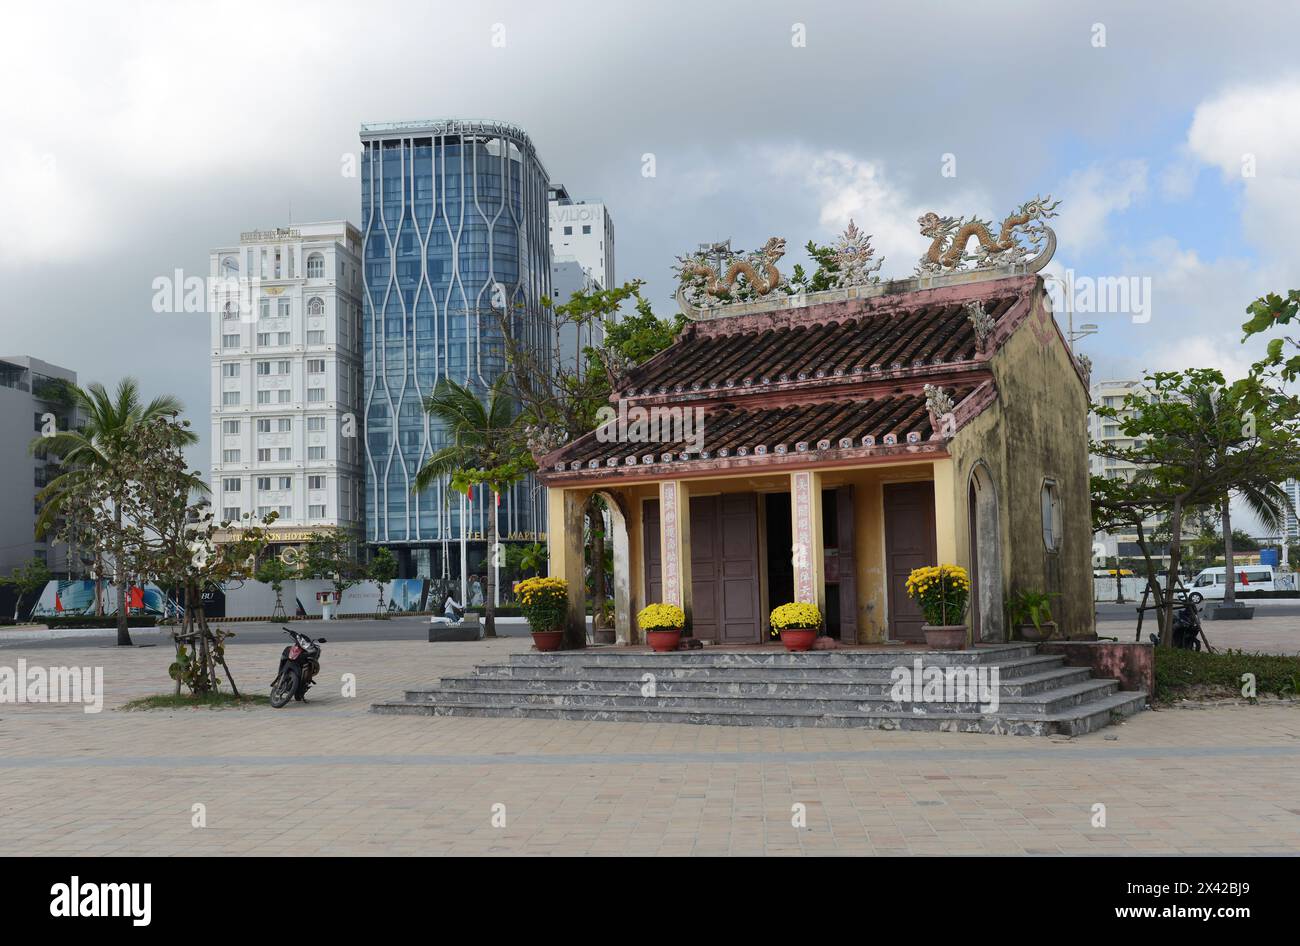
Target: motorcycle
{"x":1187,"y":625}
{"x":299,"y":665}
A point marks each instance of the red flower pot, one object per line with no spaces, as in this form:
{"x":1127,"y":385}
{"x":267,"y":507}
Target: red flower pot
{"x":798,"y":638}
{"x":661,"y":642}
{"x":548,"y":640}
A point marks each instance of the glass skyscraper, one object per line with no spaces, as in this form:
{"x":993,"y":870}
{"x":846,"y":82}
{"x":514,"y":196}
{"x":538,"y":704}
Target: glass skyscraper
{"x":454,"y":221}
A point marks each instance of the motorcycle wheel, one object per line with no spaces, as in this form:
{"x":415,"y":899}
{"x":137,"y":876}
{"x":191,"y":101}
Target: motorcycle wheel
{"x":284,"y":688}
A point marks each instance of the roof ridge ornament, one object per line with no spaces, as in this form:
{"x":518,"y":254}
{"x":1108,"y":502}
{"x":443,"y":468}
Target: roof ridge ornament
{"x":1024,"y":243}
{"x":710,"y":276}
{"x":983,"y":323}
{"x":939,"y":404}
{"x":852,"y":257}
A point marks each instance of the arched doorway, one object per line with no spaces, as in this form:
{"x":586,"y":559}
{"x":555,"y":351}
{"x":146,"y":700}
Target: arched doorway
{"x":987,"y":622}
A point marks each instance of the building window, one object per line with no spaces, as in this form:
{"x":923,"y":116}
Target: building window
{"x":315,"y":394}
{"x":286,"y":482}
{"x":229,"y":398}
{"x":263,"y":339}
{"x":315,"y":453}
{"x":230,"y":426}
{"x":263,"y":397}
{"x":316,"y":337}
{"x":284,"y":425}
{"x":282,"y":396}
{"x":232,"y":485}
{"x":315,"y":306}
{"x":230,"y":514}
{"x":230,"y":312}
{"x":315,"y":365}
{"x":284,"y":308}
{"x":229,"y":341}
{"x":229,"y":456}
{"x":586,"y":228}
{"x":285,"y":511}
{"x":316,"y":482}
{"x":263,"y":483}
{"x":315,"y":266}
{"x":283,"y":338}
{"x":264,"y":425}
{"x":230,"y":369}
{"x":1051,"y":516}
{"x":315,"y":424}
{"x":263,"y":454}
{"x":568,"y":231}
{"x":316,"y":512}
{"x":263,"y":308}
{"x":284,"y":453}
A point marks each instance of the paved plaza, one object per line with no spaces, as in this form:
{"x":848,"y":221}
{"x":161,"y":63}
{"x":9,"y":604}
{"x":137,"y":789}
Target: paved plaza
{"x":329,"y":777}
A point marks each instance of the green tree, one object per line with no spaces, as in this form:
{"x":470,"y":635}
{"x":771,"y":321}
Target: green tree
{"x":382,"y":568}
{"x":30,"y":578}
{"x":274,"y":572}
{"x":1201,"y":440}
{"x":332,"y":554}
{"x":94,"y":458}
{"x":485,"y":450}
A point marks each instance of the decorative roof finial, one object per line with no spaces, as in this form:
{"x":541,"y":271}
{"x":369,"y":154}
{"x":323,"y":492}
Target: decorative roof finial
{"x":852,"y":257}
{"x":982,"y":322}
{"x":949,"y":237}
{"x":705,"y":284}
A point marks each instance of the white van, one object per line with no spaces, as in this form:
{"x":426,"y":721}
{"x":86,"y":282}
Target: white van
{"x":1212,"y":581}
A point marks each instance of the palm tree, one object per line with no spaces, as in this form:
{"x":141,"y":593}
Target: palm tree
{"x":90,"y":450}
{"x":485,"y":448}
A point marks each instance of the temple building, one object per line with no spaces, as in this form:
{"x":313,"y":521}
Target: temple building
{"x":819,"y":445}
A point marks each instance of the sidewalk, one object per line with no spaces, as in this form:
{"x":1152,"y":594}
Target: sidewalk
{"x":328,"y":777}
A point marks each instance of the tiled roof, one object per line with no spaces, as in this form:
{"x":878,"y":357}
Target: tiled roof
{"x":884,"y":421}
{"x":925,"y":335}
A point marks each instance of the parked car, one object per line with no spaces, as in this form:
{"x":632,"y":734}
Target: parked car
{"x":1211,"y":582}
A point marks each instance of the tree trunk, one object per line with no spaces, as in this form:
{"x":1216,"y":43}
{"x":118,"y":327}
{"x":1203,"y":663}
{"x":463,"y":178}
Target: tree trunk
{"x":123,"y":635}
{"x":1175,"y":554}
{"x":489,"y":597}
{"x":1119,"y":582}
{"x":1229,"y":574}
{"x":99,"y":584}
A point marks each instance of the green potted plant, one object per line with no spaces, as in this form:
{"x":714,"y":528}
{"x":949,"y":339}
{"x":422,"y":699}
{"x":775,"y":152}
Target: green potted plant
{"x":798,"y":624}
{"x":545,"y":604}
{"x":941,"y":592}
{"x":663,"y":625}
{"x":1031,"y":613}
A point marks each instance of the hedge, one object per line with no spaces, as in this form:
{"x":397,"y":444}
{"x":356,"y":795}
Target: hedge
{"x":1183,"y":673}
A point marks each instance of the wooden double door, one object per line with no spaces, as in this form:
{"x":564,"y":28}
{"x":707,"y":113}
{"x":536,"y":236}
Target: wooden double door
{"x":725,"y":602}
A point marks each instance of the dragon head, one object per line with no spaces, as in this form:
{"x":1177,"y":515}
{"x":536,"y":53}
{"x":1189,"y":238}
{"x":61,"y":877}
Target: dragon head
{"x":1040,"y":208}
{"x":932,"y":225}
{"x":774,"y":248}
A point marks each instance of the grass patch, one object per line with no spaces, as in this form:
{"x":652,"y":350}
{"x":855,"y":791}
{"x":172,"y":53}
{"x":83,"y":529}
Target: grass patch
{"x":190,"y":700}
{"x":1183,"y":674}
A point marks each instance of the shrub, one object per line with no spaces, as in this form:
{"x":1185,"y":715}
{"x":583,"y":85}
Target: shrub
{"x":1181,"y":673}
{"x":941,"y":592}
{"x":544,"y":602}
{"x":661,"y":617}
{"x":799,"y":614}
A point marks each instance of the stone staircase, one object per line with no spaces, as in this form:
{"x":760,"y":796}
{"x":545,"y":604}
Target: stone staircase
{"x":1037,"y":695}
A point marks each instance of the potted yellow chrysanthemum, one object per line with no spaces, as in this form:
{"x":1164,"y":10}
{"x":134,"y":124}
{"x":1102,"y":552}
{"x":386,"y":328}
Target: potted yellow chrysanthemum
{"x":663,"y":624}
{"x":941,"y":591}
{"x":797,"y":623}
{"x":545,"y":603}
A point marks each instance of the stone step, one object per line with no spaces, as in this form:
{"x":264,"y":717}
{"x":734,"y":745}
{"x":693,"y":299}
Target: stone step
{"x":712,"y":657}
{"x":738,"y":684}
{"x":634,"y":669}
{"x":1048,"y":703}
{"x":1083,"y":718}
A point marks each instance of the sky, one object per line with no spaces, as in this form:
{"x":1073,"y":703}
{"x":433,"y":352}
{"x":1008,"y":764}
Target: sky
{"x":135,"y":137}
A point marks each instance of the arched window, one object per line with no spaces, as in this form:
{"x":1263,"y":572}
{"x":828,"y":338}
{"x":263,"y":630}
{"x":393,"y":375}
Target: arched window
{"x":315,"y":306}
{"x":315,"y":266}
{"x":1051,"y":516}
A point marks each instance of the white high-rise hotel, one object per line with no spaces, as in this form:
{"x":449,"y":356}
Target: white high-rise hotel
{"x":286,"y":378}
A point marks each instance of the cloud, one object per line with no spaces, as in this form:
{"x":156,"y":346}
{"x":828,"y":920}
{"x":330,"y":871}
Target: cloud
{"x":1251,"y":133}
{"x":1091,"y":196}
